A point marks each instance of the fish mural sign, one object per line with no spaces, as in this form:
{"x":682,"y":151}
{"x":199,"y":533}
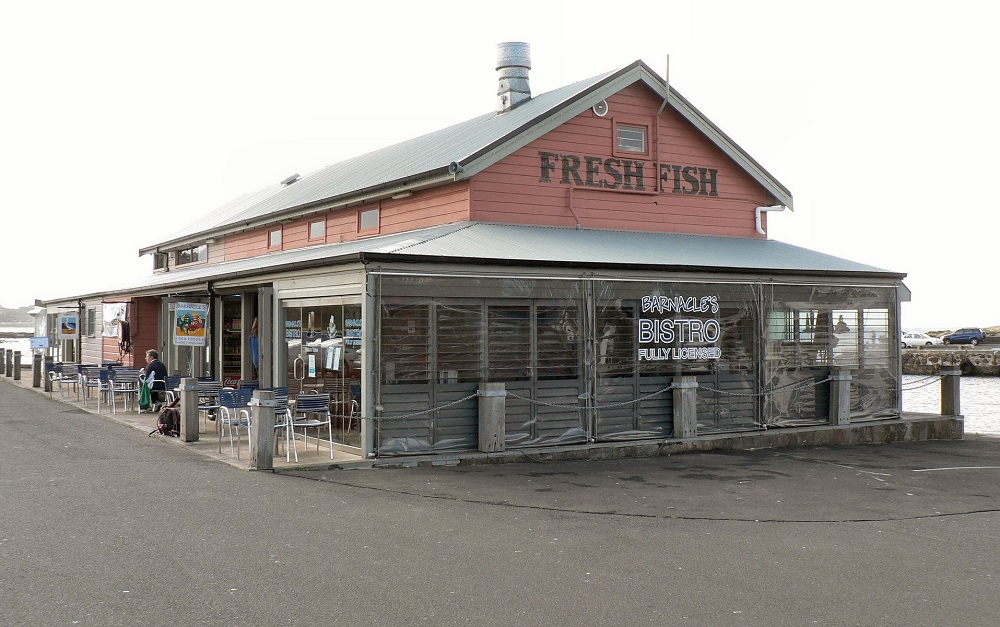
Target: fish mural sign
{"x":191,"y":324}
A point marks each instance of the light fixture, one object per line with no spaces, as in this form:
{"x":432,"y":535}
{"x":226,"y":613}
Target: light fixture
{"x":400,"y":195}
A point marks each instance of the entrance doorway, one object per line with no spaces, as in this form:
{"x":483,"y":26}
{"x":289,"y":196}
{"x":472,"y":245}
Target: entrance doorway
{"x":323,"y":339}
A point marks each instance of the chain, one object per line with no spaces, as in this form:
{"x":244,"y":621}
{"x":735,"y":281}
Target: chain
{"x":797,"y":385}
{"x":611,"y":406}
{"x":427,"y":411}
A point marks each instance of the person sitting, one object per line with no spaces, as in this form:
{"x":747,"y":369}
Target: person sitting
{"x":158,"y":370}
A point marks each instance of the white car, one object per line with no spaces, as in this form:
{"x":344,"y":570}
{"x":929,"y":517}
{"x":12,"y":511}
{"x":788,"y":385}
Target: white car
{"x":916,"y":340}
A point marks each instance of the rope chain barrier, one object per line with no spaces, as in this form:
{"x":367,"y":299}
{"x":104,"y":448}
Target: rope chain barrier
{"x":793,"y":386}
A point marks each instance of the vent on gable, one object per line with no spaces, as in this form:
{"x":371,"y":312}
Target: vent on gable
{"x":513,"y":63}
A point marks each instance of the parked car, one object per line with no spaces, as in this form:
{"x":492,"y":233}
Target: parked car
{"x":914,"y":340}
{"x":970,"y":335}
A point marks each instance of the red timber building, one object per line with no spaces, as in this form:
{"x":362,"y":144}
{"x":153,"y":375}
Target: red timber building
{"x":590,"y":249}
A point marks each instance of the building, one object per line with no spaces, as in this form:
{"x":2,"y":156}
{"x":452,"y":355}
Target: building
{"x":584,"y":247}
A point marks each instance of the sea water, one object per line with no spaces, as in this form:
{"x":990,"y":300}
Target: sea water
{"x":982,"y":413}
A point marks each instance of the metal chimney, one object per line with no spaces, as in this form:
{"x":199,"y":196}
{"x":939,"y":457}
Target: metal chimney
{"x":513,"y":63}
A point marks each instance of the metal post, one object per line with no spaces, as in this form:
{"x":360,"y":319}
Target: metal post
{"x":188,"y":391}
{"x":492,"y":415}
{"x":10,"y":363}
{"x":17,"y":365}
{"x":36,"y":370}
{"x":951,"y":392}
{"x":840,"y":395}
{"x":262,"y":430}
{"x":685,"y":407}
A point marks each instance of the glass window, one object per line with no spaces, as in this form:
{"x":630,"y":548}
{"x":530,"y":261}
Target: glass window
{"x":405,"y":344}
{"x":274,"y":238}
{"x":368,"y":220}
{"x":317,"y":230}
{"x":193,"y":254}
{"x":559,"y":341}
{"x":159,"y":261}
{"x":459,"y":343}
{"x":632,"y":138}
{"x":509,"y":342}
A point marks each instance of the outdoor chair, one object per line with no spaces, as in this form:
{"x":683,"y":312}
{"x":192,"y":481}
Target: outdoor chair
{"x":124,"y":383}
{"x":94,"y":379}
{"x":311,"y":411}
{"x":66,"y":375}
{"x":234,"y":412}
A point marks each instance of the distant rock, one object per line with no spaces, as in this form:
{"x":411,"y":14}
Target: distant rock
{"x":16,"y":317}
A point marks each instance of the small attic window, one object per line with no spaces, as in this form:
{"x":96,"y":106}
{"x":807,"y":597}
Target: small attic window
{"x":631,"y":138}
{"x":274,"y":238}
{"x":317,"y":230}
{"x":368,"y":220}
{"x":192,"y":255}
{"x":159,"y":261}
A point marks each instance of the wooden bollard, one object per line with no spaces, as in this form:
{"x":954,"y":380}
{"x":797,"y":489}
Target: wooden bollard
{"x":188,"y":391}
{"x":17,"y":365}
{"x":951,"y":391}
{"x":262,"y":417}
{"x":36,"y":370}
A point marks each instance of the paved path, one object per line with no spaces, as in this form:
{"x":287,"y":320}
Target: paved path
{"x":102,"y":525}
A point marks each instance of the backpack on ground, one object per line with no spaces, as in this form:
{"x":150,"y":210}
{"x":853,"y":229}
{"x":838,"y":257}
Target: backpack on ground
{"x":169,"y":421}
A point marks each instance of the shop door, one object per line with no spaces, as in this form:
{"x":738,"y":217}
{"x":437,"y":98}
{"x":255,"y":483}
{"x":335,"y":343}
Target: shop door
{"x":324,"y":356}
{"x":186,"y":360}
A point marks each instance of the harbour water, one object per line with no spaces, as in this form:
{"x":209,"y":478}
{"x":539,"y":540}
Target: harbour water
{"x":978,"y":400}
{"x":920,"y":393}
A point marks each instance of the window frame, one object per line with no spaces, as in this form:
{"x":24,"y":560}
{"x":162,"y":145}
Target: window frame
{"x":320,"y":237}
{"x":196,"y":254}
{"x":371,"y":230}
{"x":617,"y":125}
{"x":271,"y":245}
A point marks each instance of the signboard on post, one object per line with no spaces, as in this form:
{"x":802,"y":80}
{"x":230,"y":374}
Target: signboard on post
{"x":191,"y":324}
{"x":39,"y":343}
{"x":69,"y":326}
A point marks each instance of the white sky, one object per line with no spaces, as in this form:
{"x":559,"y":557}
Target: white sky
{"x":124,"y":121}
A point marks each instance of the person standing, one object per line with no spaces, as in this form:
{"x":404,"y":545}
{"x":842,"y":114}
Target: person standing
{"x":158,"y":370}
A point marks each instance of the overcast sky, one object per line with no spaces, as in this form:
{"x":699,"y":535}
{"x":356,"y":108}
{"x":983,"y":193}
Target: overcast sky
{"x":124,"y":121}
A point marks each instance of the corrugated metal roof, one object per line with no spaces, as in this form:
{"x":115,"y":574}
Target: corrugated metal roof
{"x":475,"y":143}
{"x":525,"y":245}
{"x":595,"y":247}
{"x":399,"y":162}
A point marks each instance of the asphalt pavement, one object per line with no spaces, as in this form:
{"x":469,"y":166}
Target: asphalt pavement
{"x":102,"y":525}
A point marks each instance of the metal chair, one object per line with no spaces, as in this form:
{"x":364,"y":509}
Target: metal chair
{"x":124,"y":383}
{"x":208,"y":397}
{"x":282,"y":420}
{"x":66,"y":374}
{"x":172,"y":382}
{"x":233,"y":414}
{"x":90,"y":380}
{"x":311,"y":411}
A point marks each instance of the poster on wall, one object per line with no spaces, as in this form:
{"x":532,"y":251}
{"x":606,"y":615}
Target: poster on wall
{"x":190,"y":324}
{"x":69,"y":326}
{"x":114,"y":314}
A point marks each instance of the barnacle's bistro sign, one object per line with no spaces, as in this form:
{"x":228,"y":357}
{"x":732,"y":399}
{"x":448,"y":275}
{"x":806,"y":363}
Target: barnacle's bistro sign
{"x":664,"y":335}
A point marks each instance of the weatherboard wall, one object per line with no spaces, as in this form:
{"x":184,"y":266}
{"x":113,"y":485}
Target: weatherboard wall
{"x":532,"y":185}
{"x":441,"y":205}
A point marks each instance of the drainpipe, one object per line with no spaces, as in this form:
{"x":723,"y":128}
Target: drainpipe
{"x":760,"y":228}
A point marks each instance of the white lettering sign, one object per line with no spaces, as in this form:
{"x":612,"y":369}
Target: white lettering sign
{"x":679,"y":338}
